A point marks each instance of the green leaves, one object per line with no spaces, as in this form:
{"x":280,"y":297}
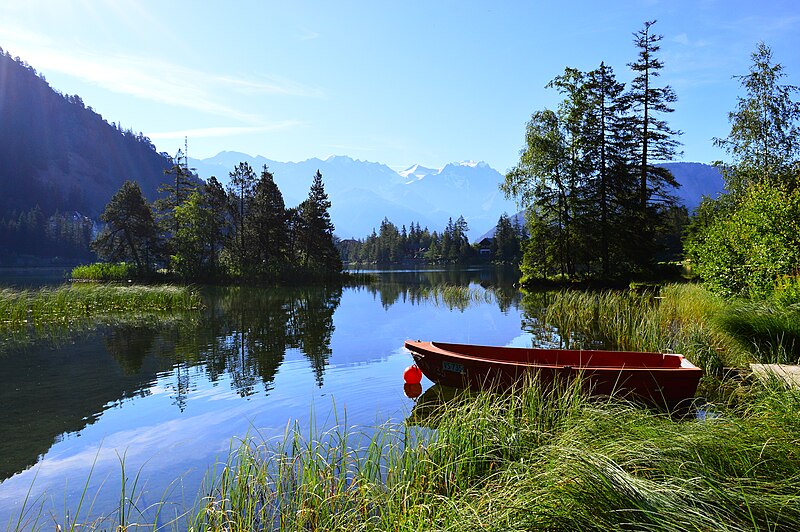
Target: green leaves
{"x":746,"y":249}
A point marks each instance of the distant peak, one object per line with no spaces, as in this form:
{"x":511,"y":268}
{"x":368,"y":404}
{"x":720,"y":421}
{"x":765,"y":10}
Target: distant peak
{"x":334,"y":158}
{"x":418,"y":171}
{"x":472,"y":164}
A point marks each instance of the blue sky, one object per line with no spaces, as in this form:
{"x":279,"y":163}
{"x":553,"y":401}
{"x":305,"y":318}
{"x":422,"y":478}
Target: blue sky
{"x":425,"y":82}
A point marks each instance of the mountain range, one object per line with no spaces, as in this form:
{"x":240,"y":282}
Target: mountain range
{"x":363,"y":193}
{"x":60,"y":155}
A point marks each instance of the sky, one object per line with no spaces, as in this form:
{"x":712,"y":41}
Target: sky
{"x":415,"y":82}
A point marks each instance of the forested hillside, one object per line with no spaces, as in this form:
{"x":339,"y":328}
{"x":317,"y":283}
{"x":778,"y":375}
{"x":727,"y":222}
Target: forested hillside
{"x":60,"y":154}
{"x":60,"y":163}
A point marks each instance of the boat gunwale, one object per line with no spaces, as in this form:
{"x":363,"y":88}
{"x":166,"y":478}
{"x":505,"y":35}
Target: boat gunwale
{"x":430,"y":347}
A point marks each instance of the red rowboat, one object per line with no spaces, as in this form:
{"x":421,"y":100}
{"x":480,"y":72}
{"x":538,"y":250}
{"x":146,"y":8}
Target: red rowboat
{"x":665,"y":379}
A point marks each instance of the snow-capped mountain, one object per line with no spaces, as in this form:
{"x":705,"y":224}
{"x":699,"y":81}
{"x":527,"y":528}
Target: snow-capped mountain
{"x":363,"y":193}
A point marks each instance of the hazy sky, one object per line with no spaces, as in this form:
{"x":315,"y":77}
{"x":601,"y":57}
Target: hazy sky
{"x":425,"y":82}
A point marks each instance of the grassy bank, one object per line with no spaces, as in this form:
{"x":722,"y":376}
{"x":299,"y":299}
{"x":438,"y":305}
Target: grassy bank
{"x":532,"y":460}
{"x":541,"y":459}
{"x":67,"y":303}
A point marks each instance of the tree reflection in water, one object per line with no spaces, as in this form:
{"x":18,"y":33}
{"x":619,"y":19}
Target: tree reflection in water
{"x":244,"y":333}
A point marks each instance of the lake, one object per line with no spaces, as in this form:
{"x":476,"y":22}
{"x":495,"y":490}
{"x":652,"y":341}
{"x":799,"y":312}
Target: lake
{"x":166,"y":399}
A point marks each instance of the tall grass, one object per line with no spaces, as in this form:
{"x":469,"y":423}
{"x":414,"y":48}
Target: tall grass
{"x":770,"y":331}
{"x":677,"y":320}
{"x":533,"y":459}
{"x":104,"y":271}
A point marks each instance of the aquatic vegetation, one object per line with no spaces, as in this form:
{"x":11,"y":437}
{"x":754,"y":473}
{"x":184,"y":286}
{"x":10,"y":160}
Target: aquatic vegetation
{"x":70,"y":303}
{"x":104,"y":271}
{"x":534,"y":459}
{"x":677,"y":320}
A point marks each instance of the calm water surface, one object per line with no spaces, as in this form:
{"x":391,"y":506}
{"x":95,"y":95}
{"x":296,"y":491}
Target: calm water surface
{"x":169,"y":400}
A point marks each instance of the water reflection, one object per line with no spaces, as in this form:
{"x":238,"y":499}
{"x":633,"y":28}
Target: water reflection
{"x":249,"y":343}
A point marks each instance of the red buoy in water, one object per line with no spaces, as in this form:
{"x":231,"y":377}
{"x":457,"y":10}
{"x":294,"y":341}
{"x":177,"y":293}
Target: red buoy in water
{"x":412,"y":375}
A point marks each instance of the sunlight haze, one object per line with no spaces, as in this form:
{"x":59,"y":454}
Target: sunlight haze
{"x":398,"y":83}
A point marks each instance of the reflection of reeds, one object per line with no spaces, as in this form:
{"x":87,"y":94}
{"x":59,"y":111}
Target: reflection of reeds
{"x":532,"y":459}
{"x":458,"y":297}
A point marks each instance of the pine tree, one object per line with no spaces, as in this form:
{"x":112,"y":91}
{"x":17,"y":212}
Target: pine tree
{"x":268,"y":222}
{"x":655,"y":139}
{"x":315,"y":230}
{"x":240,"y":191}
{"x":609,"y":149}
{"x":655,"y":142}
{"x":131,"y":232}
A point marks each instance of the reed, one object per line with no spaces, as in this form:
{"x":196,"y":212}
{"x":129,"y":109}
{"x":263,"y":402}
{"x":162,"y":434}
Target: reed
{"x":533,"y":459}
{"x":678,"y":320}
{"x":104,"y":271}
{"x":68,"y":303}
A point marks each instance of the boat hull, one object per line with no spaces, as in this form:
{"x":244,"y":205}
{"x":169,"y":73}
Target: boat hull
{"x":663,"y":379}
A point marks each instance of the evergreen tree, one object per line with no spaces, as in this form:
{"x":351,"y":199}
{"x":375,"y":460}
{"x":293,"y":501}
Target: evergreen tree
{"x":240,"y":191}
{"x":130,"y":233}
{"x":268,"y":222}
{"x":611,"y":186}
{"x":656,"y":141}
{"x":506,"y":243}
{"x":315,"y":230}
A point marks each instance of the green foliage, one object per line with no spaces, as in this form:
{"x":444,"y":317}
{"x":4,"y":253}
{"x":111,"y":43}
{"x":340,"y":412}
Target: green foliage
{"x":745,"y":249}
{"x":747,"y":242}
{"x":131,"y":233}
{"x":104,"y":271}
{"x":598,"y":207}
{"x":787,"y":290}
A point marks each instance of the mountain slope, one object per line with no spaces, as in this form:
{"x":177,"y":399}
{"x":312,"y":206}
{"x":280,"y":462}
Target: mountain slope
{"x":61,"y":155}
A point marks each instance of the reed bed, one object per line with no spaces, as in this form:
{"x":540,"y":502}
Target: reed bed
{"x":455,"y":297}
{"x":678,"y":320}
{"x":68,"y":303}
{"x":104,"y":271}
{"x":533,"y":459}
